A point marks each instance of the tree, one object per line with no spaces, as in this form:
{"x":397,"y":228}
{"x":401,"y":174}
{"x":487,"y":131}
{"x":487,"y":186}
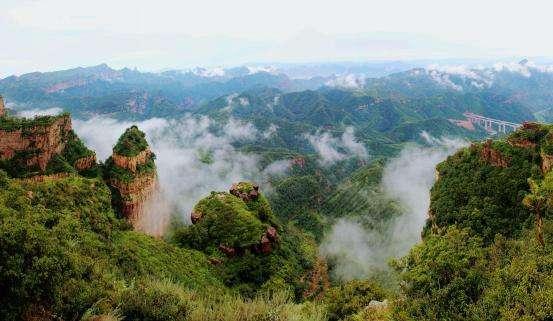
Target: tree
{"x":538,"y":200}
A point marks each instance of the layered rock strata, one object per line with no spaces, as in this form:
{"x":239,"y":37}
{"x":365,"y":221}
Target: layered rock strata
{"x":36,"y":141}
{"x":133,"y":176}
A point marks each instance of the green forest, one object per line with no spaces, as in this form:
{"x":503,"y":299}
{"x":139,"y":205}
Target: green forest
{"x":71,"y":250}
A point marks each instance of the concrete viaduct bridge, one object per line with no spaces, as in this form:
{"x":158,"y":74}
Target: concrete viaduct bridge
{"x":489,"y":123}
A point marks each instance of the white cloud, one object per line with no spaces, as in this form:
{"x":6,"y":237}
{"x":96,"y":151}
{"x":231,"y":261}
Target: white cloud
{"x":270,"y":131}
{"x":407,"y":178}
{"x":192,"y":159}
{"x":54,"y":34}
{"x":209,"y":72}
{"x":443,"y":79}
{"x":29,"y":113}
{"x":333,"y":149}
{"x":347,"y":81}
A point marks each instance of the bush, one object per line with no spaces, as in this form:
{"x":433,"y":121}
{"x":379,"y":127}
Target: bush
{"x":153,"y":300}
{"x":132,"y":142}
{"x":352,"y":297}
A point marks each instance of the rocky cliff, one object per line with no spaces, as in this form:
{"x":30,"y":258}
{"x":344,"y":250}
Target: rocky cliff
{"x":132,"y":175}
{"x":33,"y":142}
{"x":2,"y":107}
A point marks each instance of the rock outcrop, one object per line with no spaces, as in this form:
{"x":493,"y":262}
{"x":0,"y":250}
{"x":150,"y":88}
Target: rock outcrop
{"x":132,"y":175}
{"x":527,"y":136}
{"x":132,"y":162}
{"x":236,"y":222}
{"x":85,"y":163}
{"x":244,"y":195}
{"x":493,"y":156}
{"x":36,"y":141}
{"x":546,"y":162}
{"x":298,"y":161}
{"x":2,"y":107}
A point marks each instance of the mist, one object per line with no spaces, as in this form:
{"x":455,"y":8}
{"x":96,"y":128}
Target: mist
{"x":194,"y":156}
{"x":407,"y":179}
{"x":332,"y":149}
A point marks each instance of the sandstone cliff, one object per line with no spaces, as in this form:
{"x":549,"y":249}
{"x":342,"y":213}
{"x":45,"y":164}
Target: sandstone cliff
{"x":34,"y":142}
{"x":2,"y":107}
{"x":132,"y":176}
{"x":492,"y":156}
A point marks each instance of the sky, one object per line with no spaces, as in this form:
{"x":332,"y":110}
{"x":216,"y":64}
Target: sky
{"x":164,"y":34}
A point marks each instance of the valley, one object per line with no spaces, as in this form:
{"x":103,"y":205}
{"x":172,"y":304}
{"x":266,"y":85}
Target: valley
{"x":423,"y":194}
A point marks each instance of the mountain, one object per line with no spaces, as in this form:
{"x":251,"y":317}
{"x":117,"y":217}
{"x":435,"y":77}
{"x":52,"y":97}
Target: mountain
{"x":129,"y":93}
{"x":513,"y":91}
{"x":487,"y":247}
{"x":73,"y":246}
{"x":80,"y":238}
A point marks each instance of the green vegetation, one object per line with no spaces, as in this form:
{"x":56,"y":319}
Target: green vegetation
{"x":225,"y":219}
{"x":125,"y":175}
{"x":347,"y":299}
{"x":17,"y":165}
{"x":226,"y":222}
{"x":75,"y":149}
{"x":487,"y":253}
{"x":132,"y":142}
{"x":64,"y":251}
{"x":24,"y":124}
{"x":474,"y":193}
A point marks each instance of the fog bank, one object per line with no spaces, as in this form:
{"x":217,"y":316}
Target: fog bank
{"x":194,"y":156}
{"x":407,"y":179}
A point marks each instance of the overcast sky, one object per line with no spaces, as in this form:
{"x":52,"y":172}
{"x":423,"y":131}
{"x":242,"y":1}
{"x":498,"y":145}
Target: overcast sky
{"x":153,"y":35}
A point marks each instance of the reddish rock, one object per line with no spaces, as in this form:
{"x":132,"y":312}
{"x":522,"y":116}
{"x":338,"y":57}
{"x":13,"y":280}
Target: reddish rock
{"x":44,"y":178}
{"x":492,"y":156}
{"x":85,"y":163}
{"x":245,"y":196}
{"x":298,"y":161}
{"x":546,"y":162}
{"x":2,"y":107}
{"x":272,"y":234}
{"x":46,"y":141}
{"x":195,"y":217}
{"x":530,"y":126}
{"x":522,"y":143}
{"x":135,"y":194}
{"x":227,"y":250}
{"x":131,"y":163}
{"x":215,"y":261}
{"x":265,"y":245}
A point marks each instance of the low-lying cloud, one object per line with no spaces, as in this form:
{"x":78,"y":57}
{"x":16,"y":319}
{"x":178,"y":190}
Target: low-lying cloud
{"x":407,"y":178}
{"x":195,"y":155}
{"x":333,"y":149}
{"x":352,"y":81}
{"x":30,"y":113}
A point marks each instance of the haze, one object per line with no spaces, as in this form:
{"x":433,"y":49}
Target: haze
{"x":155,"y":35}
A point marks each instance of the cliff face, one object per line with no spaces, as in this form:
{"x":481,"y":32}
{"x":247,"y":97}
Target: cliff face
{"x":39,"y":141}
{"x":132,"y":162}
{"x":133,"y":176}
{"x":134,"y":197}
{"x":85,"y":163}
{"x":493,"y":156}
{"x":2,"y":107}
